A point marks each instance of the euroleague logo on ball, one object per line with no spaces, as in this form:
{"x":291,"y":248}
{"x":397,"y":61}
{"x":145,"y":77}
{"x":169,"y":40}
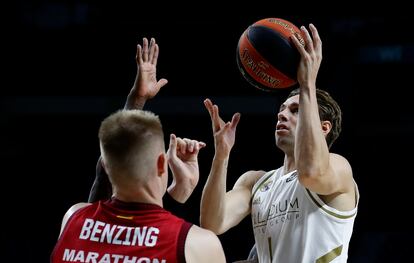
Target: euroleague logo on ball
{"x":266,"y":56}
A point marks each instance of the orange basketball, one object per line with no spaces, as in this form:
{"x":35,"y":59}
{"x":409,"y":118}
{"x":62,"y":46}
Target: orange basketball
{"x":266,"y":56}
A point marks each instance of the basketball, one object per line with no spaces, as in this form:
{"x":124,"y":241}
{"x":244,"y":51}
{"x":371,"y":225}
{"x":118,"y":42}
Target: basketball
{"x":266,"y":56}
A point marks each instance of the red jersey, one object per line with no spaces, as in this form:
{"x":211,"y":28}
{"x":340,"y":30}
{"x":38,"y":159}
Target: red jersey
{"x":117,"y":232}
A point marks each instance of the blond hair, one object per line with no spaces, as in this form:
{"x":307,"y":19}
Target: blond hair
{"x":130,"y":142}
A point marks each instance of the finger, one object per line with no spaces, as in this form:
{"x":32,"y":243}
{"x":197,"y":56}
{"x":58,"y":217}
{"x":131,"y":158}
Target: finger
{"x":298,"y":45}
{"x":309,"y":41}
{"x":235,"y":120}
{"x":173,"y":144}
{"x":316,"y":38}
{"x":227,"y":126}
{"x":194,"y":147}
{"x":161,"y":83}
{"x":151,"y":49}
{"x":199,"y":145}
{"x":213,"y":116}
{"x":188,"y":145}
{"x":138,"y":56}
{"x":191,"y":146}
{"x":154,"y":57}
{"x":216,"y":117}
{"x":145,"y":49}
{"x":209,"y":106}
{"x":181,"y":146}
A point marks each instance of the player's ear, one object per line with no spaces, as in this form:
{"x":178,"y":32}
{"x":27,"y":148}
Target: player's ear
{"x":103,"y":163}
{"x":326,"y":127}
{"x":162,"y":164}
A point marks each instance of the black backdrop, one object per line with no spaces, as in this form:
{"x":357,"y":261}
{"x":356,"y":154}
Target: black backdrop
{"x":70,"y":64}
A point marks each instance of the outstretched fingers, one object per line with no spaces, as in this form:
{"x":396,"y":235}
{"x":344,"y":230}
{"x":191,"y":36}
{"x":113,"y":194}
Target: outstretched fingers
{"x":298,"y":45}
{"x":145,"y":49}
{"x":317,"y":42}
{"x":138,"y":56}
{"x":235,"y":120}
{"x":154,"y":57}
{"x":214,"y":115}
{"x":153,"y":52}
{"x":308,"y":39}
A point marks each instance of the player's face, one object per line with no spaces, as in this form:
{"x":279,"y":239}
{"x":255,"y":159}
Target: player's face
{"x":286,"y":123}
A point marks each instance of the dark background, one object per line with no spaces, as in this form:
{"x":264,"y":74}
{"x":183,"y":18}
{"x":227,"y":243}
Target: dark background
{"x":68,"y":65}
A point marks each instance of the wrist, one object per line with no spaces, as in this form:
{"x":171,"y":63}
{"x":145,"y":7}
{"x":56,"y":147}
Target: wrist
{"x":135,"y":103}
{"x":222,"y":157}
{"x":180,"y":192}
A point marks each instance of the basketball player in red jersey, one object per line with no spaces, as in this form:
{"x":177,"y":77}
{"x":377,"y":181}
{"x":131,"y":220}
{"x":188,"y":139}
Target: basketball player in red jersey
{"x":132,"y":226}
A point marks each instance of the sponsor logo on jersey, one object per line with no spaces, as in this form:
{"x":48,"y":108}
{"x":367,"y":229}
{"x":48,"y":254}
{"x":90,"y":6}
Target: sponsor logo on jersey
{"x":292,"y":177}
{"x":266,"y":186}
{"x":279,"y":212}
{"x":257,"y":201}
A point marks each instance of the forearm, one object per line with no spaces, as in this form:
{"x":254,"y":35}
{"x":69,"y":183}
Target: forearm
{"x":311,"y":150}
{"x":133,"y":102}
{"x":212,"y":214}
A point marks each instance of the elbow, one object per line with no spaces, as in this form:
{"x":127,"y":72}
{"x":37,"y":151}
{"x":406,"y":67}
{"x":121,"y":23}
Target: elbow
{"x":207,"y":224}
{"x":309,"y":177}
{"x":312,"y":171}
{"x":318,"y":183}
{"x":204,"y":223}
{"x":305,"y":180}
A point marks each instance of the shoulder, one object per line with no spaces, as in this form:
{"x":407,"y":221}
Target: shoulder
{"x":249,"y":178}
{"x":340,"y":165}
{"x":73,"y":209}
{"x":342,"y":171}
{"x":203,"y":245}
{"x":338,"y":158}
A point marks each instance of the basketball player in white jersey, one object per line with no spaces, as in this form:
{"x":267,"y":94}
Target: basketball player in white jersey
{"x":303,"y":211}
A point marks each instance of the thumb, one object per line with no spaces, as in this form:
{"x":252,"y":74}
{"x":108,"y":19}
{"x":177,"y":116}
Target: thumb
{"x":161,"y":83}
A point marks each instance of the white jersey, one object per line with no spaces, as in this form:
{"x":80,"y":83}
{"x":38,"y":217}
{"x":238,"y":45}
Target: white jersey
{"x":293,"y":225}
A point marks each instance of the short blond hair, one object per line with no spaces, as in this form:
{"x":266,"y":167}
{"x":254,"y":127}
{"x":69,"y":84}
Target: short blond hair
{"x":130,"y":142}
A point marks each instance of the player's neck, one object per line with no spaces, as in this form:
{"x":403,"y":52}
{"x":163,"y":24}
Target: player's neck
{"x":140,"y":195}
{"x":289,"y":164}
